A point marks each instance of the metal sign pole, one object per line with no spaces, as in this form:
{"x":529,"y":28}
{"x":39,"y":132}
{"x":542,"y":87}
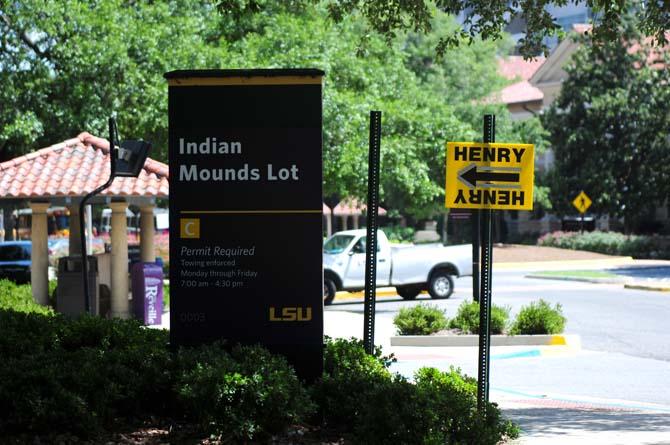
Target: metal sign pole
{"x":476,"y":248}
{"x":371,"y":244}
{"x":485,"y":293}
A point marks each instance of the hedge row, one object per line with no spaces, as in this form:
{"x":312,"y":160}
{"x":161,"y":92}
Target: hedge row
{"x":610,"y":243}
{"x":537,"y":318}
{"x":89,"y":376}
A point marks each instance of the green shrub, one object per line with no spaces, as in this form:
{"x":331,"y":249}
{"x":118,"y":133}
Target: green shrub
{"x":166,"y":297}
{"x":19,"y":297}
{"x":539,"y":318}
{"x":26,"y":333}
{"x":348,"y":374}
{"x":467,"y":318}
{"x":80,"y":375}
{"x":87,"y":375}
{"x":610,"y":243}
{"x":84,"y":375}
{"x":361,"y":398}
{"x":399,"y":234}
{"x":242,"y":395}
{"x":450,"y":398}
{"x":421,"y":319}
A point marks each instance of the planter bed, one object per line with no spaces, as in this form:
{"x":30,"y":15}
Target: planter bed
{"x":496,"y":340}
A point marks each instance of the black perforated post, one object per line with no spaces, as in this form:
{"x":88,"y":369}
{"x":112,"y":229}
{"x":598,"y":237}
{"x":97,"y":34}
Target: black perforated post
{"x":476,"y":248}
{"x":485,"y":293}
{"x":371,"y":244}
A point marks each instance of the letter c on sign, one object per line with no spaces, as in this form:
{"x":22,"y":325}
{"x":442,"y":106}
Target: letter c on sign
{"x":190,"y":228}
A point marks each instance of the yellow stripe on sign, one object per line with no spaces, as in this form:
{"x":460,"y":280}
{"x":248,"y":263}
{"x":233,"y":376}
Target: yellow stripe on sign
{"x":251,"y":81}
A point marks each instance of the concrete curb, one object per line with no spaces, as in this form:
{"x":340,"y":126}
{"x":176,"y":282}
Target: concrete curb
{"x":612,"y":280}
{"x":628,"y":283}
{"x":548,"y":265}
{"x":654,"y":287}
{"x":496,"y":340}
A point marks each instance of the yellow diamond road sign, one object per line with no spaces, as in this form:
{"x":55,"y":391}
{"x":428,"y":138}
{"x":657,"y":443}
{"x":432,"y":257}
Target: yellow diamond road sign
{"x":582,"y":202}
{"x":489,"y":176}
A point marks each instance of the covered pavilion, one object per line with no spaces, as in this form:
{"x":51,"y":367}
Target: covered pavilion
{"x":352,"y":209}
{"x":63,"y":174}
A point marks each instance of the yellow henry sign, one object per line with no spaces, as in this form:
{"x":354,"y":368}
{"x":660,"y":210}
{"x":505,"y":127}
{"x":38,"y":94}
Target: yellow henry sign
{"x":489,"y":176}
{"x":582,"y":202}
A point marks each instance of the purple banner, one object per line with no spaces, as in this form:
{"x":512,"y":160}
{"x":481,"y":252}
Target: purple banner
{"x":147,"y":287}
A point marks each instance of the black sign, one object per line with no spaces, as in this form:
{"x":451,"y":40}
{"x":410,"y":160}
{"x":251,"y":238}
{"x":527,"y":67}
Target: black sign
{"x":246,"y":211}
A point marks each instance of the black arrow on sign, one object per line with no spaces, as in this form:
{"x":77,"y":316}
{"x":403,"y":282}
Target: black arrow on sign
{"x":471,"y":175}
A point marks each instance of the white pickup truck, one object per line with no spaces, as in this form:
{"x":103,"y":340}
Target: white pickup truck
{"x":409,"y":268}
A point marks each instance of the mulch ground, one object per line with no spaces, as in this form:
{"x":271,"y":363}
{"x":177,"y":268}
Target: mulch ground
{"x":517,"y":253}
{"x":177,"y":434}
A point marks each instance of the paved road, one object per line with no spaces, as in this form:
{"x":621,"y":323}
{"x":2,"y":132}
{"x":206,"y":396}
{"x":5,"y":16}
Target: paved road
{"x":655,"y":274}
{"x":625,"y":338}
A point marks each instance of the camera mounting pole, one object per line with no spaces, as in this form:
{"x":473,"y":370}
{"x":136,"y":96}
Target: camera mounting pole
{"x":113,"y":140}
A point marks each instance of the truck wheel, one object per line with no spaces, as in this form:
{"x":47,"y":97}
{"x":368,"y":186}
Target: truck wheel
{"x":329,"y":290}
{"x":408,"y":292}
{"x":441,"y":285}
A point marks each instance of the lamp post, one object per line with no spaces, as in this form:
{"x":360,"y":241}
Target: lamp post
{"x":125,"y":161}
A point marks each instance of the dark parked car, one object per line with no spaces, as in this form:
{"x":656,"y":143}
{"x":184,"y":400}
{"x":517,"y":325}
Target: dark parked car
{"x":15,"y":261}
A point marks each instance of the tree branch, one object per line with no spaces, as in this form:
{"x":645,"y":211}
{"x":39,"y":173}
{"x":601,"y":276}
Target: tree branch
{"x":23,"y":35}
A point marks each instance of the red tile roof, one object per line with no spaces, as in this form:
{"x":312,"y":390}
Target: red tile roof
{"x":72,"y":168}
{"x":520,"y":92}
{"x":582,"y":28}
{"x":352,"y":207}
{"x":513,"y":67}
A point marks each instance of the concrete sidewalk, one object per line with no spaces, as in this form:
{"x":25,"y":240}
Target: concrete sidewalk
{"x":545,"y":419}
{"x":555,"y":419}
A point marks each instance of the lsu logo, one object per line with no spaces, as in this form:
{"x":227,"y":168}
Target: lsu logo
{"x":291,"y":314}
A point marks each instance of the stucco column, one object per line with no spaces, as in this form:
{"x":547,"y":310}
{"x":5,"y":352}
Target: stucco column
{"x":355,"y":218}
{"x":75,"y":236}
{"x":120,"y":304}
{"x":147,"y":253}
{"x":39,"y":270}
{"x":329,"y":224}
{"x":344,"y":221}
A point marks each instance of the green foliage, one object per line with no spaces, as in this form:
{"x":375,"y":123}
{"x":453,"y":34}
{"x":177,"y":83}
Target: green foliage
{"x":245,"y":394}
{"x":539,"y":318}
{"x":481,"y":18}
{"x":399,"y":234}
{"x":78,"y":375}
{"x":423,"y":104}
{"x":84,"y":375}
{"x":53,"y":93}
{"x":451,"y":404}
{"x":66,"y":65}
{"x":611,"y":243}
{"x":467,"y":318}
{"x":19,"y":297}
{"x":361,"y":398}
{"x":420,"y":320}
{"x":608,"y":128}
{"x":348,"y":375}
{"x":87,"y":375}
{"x":166,"y":297}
